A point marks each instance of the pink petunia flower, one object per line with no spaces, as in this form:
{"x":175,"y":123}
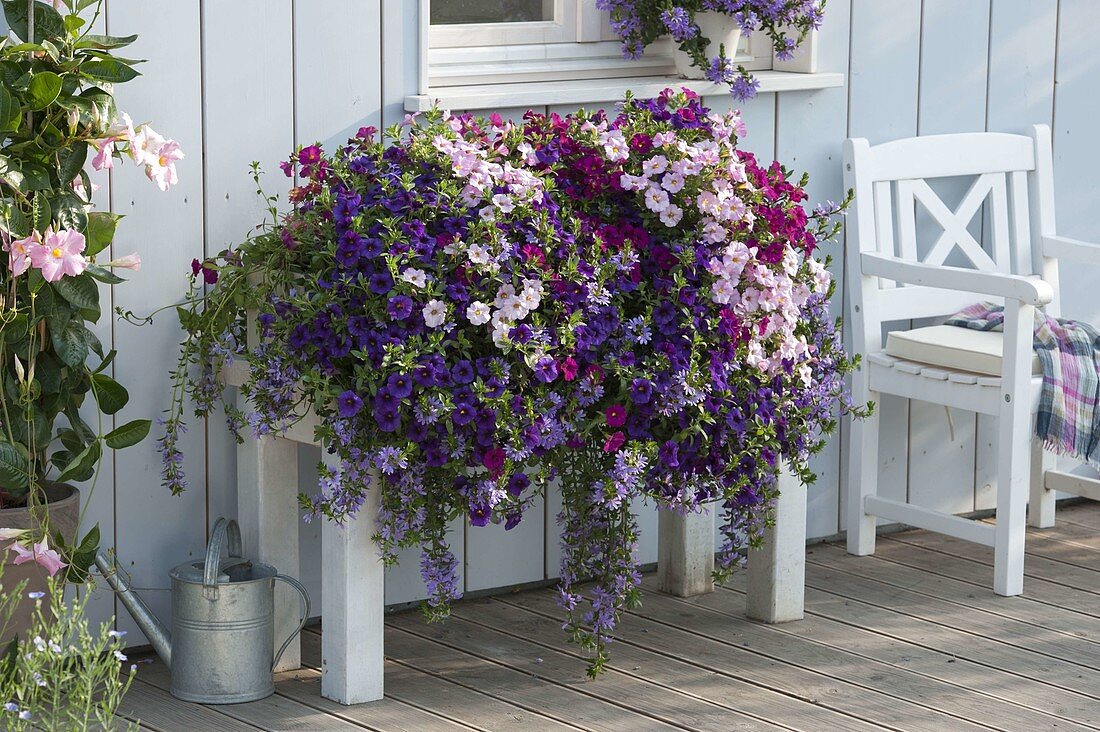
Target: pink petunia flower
{"x":39,"y":553}
{"x":59,"y":255}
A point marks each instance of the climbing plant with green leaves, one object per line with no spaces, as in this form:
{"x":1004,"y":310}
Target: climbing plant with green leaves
{"x":58,"y":122}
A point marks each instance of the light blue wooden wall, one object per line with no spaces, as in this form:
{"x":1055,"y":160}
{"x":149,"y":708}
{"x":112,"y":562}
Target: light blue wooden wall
{"x":248,"y":80}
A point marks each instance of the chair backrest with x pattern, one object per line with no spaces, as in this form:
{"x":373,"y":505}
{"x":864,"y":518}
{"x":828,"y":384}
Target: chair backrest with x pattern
{"x":894,"y":186}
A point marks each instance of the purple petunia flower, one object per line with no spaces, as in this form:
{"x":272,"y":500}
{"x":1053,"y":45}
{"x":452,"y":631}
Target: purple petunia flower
{"x":517,"y":484}
{"x":348,"y":404}
{"x":546,"y":370}
{"x":381,"y":283}
{"x":641,"y":391}
{"x":400,"y":307}
{"x":399,"y":385}
{"x":462,"y":372}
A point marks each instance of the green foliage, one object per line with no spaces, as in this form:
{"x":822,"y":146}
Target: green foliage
{"x":56,"y":103}
{"x":61,"y":675}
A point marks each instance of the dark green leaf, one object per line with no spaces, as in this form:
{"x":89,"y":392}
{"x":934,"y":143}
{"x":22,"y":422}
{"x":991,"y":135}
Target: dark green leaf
{"x":110,"y":395}
{"x":89,"y":337}
{"x":16,"y":328}
{"x":14,"y":464}
{"x":81,"y":291}
{"x":100,"y":231}
{"x":10,"y":111}
{"x":69,"y":211}
{"x":90,"y":542}
{"x":69,"y":344}
{"x":43,"y":89}
{"x":103,"y":274}
{"x":48,"y":23}
{"x":109,"y":70}
{"x":128,"y":434}
{"x":72,"y":161}
{"x":106,"y":361}
{"x":83,"y":465}
{"x":47,"y":371}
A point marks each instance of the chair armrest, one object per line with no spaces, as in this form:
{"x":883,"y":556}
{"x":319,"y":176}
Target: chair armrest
{"x":1031,"y":291}
{"x":1060,"y":247}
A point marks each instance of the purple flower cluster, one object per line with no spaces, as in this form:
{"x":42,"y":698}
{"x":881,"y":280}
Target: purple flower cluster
{"x":628,"y":305}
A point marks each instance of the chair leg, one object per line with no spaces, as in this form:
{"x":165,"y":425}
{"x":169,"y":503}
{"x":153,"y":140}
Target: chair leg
{"x":1040,"y":509}
{"x":862,"y":478}
{"x":1014,"y":457}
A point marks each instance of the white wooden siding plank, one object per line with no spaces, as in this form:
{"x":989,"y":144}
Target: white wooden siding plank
{"x":810,"y":128}
{"x":230,"y":202}
{"x":155,"y":530}
{"x":954,"y":57}
{"x":884,"y":72}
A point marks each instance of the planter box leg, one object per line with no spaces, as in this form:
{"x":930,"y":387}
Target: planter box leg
{"x":267,"y":512}
{"x":352,"y":595}
{"x":777,"y":571}
{"x":685,"y":553}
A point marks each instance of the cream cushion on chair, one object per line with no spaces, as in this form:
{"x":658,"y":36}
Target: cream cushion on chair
{"x":952,"y":347}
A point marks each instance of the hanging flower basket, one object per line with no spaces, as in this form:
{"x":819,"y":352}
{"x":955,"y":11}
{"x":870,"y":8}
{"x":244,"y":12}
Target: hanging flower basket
{"x":628,"y":304}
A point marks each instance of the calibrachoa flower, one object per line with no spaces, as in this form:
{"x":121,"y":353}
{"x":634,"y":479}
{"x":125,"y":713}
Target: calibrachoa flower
{"x":629,"y":304}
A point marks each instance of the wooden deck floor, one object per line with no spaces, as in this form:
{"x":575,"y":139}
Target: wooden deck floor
{"x":910,"y":639}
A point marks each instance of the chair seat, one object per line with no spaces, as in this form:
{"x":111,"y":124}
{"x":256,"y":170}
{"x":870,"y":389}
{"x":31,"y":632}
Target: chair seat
{"x":952,"y":347}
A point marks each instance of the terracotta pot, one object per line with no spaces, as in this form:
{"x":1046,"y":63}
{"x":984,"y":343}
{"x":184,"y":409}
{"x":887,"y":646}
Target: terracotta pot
{"x":721,"y":30}
{"x":63,"y":504}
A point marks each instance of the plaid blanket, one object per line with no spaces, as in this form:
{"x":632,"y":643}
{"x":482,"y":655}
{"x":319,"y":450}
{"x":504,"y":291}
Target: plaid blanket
{"x":1068,"y":421}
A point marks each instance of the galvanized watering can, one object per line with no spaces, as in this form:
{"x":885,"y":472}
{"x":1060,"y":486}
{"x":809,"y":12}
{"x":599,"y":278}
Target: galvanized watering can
{"x":223,"y":622}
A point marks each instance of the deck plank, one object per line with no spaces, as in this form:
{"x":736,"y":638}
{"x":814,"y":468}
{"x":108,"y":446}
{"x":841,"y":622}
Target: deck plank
{"x":435,"y":696}
{"x":725,"y":690}
{"x":943,"y":653}
{"x":1035,"y":566}
{"x":659,"y":708}
{"x":899,"y":565}
{"x":969,"y":570}
{"x":912,"y":638}
{"x":1059,"y":658}
{"x":694,"y":633}
{"x":154,"y":708}
{"x":276,"y":712}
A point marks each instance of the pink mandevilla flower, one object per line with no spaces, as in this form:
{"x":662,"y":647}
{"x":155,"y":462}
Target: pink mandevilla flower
{"x":19,"y":253}
{"x":59,"y":255}
{"x":39,"y":553}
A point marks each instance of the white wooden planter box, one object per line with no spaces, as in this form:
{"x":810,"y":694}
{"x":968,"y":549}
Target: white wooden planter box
{"x":352,"y":583}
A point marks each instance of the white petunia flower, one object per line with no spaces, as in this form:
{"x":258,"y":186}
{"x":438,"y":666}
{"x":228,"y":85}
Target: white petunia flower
{"x":435,"y":313}
{"x":415,"y":277}
{"x":478,"y":313}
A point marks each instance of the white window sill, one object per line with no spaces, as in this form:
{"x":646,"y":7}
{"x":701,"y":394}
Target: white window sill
{"x":589,"y":91}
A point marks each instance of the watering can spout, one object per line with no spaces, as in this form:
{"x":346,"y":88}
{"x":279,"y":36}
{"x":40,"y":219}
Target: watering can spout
{"x":154,"y":630}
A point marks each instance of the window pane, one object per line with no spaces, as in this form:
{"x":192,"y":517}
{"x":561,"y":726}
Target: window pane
{"x":448,"y":12}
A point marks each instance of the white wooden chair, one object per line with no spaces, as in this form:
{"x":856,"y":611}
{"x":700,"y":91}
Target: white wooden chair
{"x":988,"y":373}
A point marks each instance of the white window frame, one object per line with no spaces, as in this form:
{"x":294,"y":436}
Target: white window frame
{"x":577,"y":44}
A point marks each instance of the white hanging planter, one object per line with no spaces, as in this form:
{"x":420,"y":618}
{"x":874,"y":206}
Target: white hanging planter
{"x":721,"y":30}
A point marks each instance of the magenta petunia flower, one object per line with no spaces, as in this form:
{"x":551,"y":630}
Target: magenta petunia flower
{"x":614,"y":442}
{"x":615,"y":415}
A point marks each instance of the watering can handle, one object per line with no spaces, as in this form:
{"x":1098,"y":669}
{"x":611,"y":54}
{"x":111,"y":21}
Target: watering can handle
{"x":305,"y":614}
{"x":225,"y":530}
